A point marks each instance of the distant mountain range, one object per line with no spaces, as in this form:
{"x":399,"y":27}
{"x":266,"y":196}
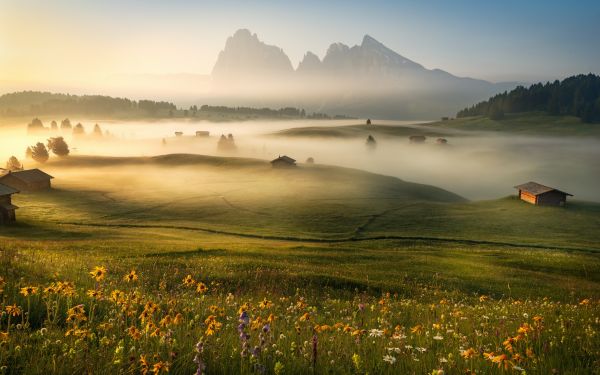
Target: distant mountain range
{"x":368,"y":80}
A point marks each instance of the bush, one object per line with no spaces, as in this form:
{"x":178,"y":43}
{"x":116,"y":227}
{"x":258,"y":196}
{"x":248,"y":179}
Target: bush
{"x":39,"y":153}
{"x":58,"y":146}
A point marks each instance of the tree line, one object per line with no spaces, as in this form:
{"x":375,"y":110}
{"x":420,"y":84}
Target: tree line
{"x":574,"y":96}
{"x":37,"y":126}
{"x":46,"y":103}
{"x":40,"y":153}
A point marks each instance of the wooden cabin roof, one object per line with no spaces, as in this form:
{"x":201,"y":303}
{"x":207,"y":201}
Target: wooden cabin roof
{"x":537,"y":189}
{"x":7,"y":190}
{"x":29,"y":175}
{"x":284,"y":158}
{"x":7,"y":206}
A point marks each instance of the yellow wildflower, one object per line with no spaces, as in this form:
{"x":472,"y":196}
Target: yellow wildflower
{"x":305,"y":317}
{"x":97,"y":294}
{"x":201,"y":288}
{"x":13,"y":310}
{"x":469,"y":353}
{"x":98,"y":273}
{"x":160,"y":366}
{"x":418,"y":329}
{"x":29,"y":291}
{"x":189,"y":281}
{"x":134,"y":333}
{"x":265,"y":304}
{"x":131,"y":276}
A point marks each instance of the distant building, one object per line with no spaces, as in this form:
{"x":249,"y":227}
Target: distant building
{"x":283,"y":162}
{"x":310,"y":160}
{"x":7,"y":209}
{"x":417,"y":139}
{"x":202,"y":133}
{"x":27,"y":180}
{"x":541,"y":195}
{"x":178,"y":134}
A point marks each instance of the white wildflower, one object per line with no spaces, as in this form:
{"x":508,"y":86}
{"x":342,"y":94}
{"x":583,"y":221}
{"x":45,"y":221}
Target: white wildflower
{"x":389,"y":359}
{"x":376,"y":333}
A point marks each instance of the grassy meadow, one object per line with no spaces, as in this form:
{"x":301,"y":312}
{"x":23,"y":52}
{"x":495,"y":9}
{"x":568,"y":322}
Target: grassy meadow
{"x":528,"y":123}
{"x":214,"y":265}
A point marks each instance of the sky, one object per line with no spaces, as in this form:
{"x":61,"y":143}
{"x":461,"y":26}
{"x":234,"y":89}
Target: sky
{"x":85,"y":44}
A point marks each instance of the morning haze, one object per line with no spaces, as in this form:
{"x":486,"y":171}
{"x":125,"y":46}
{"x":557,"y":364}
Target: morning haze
{"x":285,"y":188}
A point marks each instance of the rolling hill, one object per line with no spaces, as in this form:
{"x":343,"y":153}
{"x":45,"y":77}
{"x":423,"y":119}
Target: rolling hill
{"x":247,"y":197}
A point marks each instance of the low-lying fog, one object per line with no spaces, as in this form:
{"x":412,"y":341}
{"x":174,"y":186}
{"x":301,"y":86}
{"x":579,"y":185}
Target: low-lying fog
{"x":474,"y":165}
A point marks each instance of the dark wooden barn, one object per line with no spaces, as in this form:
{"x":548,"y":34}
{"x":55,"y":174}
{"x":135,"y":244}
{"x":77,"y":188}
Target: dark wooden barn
{"x":28,"y":180}
{"x":283,"y":162}
{"x":7,"y":209}
{"x":541,"y":195}
{"x":417,"y":139}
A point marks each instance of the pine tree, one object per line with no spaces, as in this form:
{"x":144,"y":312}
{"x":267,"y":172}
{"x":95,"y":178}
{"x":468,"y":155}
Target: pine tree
{"x":78,"y":130}
{"x":65,"y":124}
{"x":97,"y":131}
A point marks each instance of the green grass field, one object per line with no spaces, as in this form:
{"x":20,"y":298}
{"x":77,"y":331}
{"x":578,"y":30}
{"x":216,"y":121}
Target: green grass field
{"x":338,"y":271}
{"x":362,"y":131}
{"x":531,"y":123}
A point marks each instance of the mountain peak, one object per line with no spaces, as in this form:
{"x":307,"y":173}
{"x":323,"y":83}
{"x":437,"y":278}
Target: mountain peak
{"x":310,"y":62}
{"x":245,"y":35}
{"x":246,"y":56}
{"x":369,"y":40}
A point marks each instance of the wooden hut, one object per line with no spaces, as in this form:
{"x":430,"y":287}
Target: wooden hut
{"x":541,"y":195}
{"x":283,"y":162}
{"x":27,"y":180}
{"x":417,"y":139}
{"x":7,"y":209}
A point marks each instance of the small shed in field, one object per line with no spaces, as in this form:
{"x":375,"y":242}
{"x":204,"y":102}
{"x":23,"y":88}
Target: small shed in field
{"x":541,"y":195}
{"x":7,"y":209}
{"x":27,"y":180}
{"x":283,"y":162}
{"x":417,"y":139}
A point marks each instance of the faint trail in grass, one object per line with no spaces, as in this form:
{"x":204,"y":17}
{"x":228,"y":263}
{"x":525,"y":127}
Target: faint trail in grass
{"x":154,"y":207}
{"x":333,"y":240}
{"x":227,"y":202}
{"x":361,"y":228}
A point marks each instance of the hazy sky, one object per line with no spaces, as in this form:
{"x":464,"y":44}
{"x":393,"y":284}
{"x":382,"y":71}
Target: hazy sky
{"x":86,"y":42}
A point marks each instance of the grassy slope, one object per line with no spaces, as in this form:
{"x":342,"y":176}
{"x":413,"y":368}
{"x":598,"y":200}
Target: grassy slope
{"x":533,"y":123}
{"x":523,"y":123}
{"x":361,"y":131}
{"x":501,"y":247}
